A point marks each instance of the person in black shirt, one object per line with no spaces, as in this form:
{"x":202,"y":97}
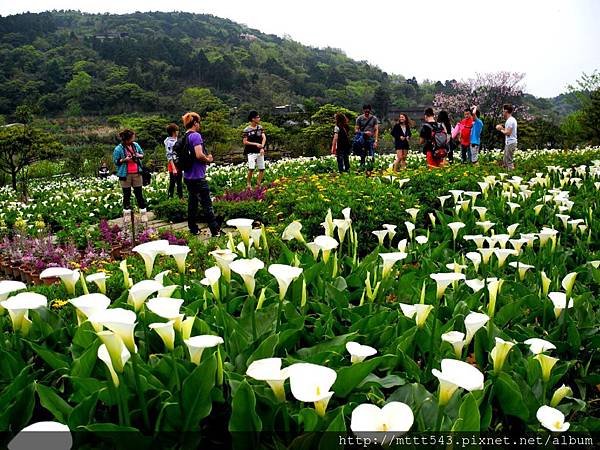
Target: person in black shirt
{"x":426,"y":139}
{"x":340,"y":145}
{"x":402,"y":134}
{"x":254,"y":139}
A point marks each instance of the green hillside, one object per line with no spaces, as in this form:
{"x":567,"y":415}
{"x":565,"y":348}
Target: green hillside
{"x":69,"y":62}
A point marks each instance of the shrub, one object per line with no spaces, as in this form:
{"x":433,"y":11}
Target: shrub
{"x":173,"y":210}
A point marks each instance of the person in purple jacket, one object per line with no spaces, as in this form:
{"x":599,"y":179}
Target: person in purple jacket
{"x":195,"y":178}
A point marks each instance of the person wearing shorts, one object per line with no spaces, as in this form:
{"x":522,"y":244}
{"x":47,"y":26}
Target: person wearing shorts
{"x":127,"y":157}
{"x":476,"y":134}
{"x":254,"y":139}
{"x":509,"y":130}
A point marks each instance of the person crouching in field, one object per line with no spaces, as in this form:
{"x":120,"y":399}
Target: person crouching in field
{"x":254,"y":139}
{"x":402,"y":134}
{"x":340,"y":145}
{"x":175,"y":176}
{"x":127,"y":157}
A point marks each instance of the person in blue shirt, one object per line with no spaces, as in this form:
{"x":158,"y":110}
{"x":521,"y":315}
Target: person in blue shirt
{"x":475,"y":134}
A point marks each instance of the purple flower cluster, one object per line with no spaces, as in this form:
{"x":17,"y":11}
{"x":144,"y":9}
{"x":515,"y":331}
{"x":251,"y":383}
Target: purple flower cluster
{"x":257,"y":194}
{"x":39,"y":253}
{"x":150,"y":234}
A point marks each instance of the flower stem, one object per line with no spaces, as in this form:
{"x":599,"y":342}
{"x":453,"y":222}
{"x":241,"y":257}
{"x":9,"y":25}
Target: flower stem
{"x":140,"y":393}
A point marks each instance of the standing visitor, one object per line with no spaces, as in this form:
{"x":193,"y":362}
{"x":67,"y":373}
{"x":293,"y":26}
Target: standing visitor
{"x":195,"y":178}
{"x":175,"y":176}
{"x":476,"y":134}
{"x":402,"y":134}
{"x":509,"y":130}
{"x":444,"y":120}
{"x":127,"y":157}
{"x":254,"y":139}
{"x":426,"y":139}
{"x":465,"y":136}
{"x":340,"y":145}
{"x":368,"y":125}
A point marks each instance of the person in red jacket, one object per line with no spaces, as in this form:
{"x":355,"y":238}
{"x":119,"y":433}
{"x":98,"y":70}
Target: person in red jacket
{"x":465,"y":136}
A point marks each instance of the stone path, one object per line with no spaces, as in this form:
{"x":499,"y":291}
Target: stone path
{"x":159,"y":224}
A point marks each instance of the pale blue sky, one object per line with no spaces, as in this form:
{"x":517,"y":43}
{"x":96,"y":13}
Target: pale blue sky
{"x":552,"y":41}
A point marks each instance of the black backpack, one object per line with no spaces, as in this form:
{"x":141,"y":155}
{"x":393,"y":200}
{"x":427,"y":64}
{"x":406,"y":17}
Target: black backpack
{"x":183,"y":153}
{"x":439,"y":139}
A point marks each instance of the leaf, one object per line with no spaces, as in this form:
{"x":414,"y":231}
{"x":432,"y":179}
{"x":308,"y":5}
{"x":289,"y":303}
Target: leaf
{"x":336,"y":428}
{"x":83,"y":366}
{"x":266,"y":349}
{"x":336,"y":345}
{"x":309,"y":419}
{"x":83,"y":413}
{"x":18,"y":414}
{"x":195,"y":393}
{"x":387,"y":382}
{"x":350,"y":377}
{"x":509,"y":396}
{"x":50,"y":400}
{"x":243,"y":412}
{"x":55,"y":360}
{"x":468,"y":415}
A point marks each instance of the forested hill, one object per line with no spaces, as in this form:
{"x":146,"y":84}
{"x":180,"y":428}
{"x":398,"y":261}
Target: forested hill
{"x":66,"y":62}
{"x":80,"y":63}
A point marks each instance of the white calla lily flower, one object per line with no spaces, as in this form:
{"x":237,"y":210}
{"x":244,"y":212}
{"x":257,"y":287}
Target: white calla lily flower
{"x":7,"y":287}
{"x":381,"y":235}
{"x":18,"y":307}
{"x":408,"y":310}
{"x":167,"y":291}
{"x":223,"y":259}
{"x":537,"y":345}
{"x":311,"y":383}
{"x":389,"y":259}
{"x":485,"y":225}
{"x":127,"y":281}
{"x":455,"y":374}
{"x":160,"y":277}
{"x":120,"y":321}
{"x":413,"y":213}
{"x":475,"y":258}
{"x":402,"y":245}
{"x":396,"y":417}
{"x":421,"y":240}
{"x":410,"y":227}
{"x":359,"y":352}
{"x":98,"y":278}
{"x":456,"y":339}
{"x":123,"y":357}
{"x":247,"y":268}
{"x":139,"y":292}
{"x":479,"y":239}
{"x":521,"y":267}
{"x":559,"y":300}
{"x":167,"y":308}
{"x":486,"y":254}
{"x":213,"y":274}
{"x":476,"y":285}
{"x":88,"y":305}
{"x":68,"y":277}
{"x":269,"y":370}
{"x":503,"y":253}
{"x":285,"y":275}
{"x":455,"y":227}
{"x":166,"y":333}
{"x":292,"y":231}
{"x":243,"y":226}
{"x":552,"y":419}
{"x":326,"y":244}
{"x":179,"y":253}
{"x":391,"y":229}
{"x":443,"y":280}
{"x":546,"y":364}
{"x":442,"y":199}
{"x":500,"y":352}
{"x":342,"y":226}
{"x":149,"y":251}
{"x":473,"y":322}
{"x":197,"y":344}
{"x":568,"y":282}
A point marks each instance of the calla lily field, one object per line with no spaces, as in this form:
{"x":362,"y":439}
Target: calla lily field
{"x":469,"y":307}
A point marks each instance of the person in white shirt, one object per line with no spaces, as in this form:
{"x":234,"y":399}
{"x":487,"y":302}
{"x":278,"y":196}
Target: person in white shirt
{"x":509,"y":130}
{"x":175,"y":176}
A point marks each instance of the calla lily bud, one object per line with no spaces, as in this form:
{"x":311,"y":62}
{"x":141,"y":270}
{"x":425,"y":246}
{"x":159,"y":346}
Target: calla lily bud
{"x":559,"y":394}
